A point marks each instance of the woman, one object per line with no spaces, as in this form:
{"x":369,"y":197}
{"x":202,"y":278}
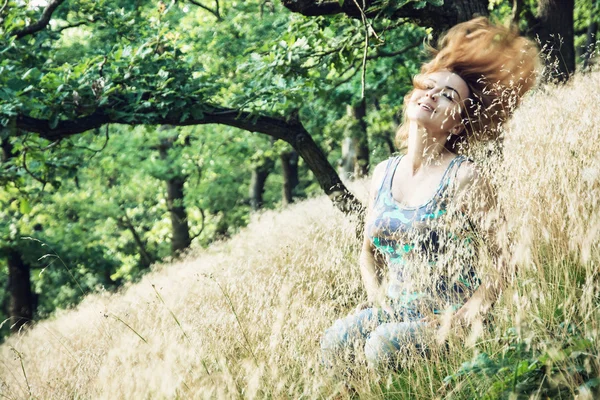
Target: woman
{"x":427,"y":208}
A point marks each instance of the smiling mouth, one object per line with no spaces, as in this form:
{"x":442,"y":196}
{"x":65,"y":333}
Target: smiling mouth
{"x":426,"y":107}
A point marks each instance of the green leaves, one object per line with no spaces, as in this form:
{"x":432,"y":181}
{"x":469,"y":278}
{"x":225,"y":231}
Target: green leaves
{"x":25,"y":207}
{"x":32,"y":73}
{"x":523,"y":371}
{"x":136,"y":65}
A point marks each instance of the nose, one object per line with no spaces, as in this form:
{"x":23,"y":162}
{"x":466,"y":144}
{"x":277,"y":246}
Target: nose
{"x":432,"y":94}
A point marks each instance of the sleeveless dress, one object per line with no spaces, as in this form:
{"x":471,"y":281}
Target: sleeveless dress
{"x":430,"y":258}
{"x":418,"y":241}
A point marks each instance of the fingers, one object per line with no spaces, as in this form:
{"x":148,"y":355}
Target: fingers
{"x":363,"y":306}
{"x":431,"y":320}
{"x":388,"y":309}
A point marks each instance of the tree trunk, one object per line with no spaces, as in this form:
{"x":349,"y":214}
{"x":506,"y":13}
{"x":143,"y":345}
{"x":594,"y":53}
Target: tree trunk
{"x":590,"y":43}
{"x":517,"y":7}
{"x":355,"y":147}
{"x":7,"y":150}
{"x":259,"y":177}
{"x":346,"y":163}
{"x":388,"y":137}
{"x":441,"y":17}
{"x":360,"y":140}
{"x":145,"y":258}
{"x":324,"y":173}
{"x":21,"y":302}
{"x":180,"y":230}
{"x":222,"y":228}
{"x":289,"y":170}
{"x":180,"y":239}
{"x":555,"y":30}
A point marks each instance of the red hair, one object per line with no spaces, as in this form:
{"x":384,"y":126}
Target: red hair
{"x":497,"y":64}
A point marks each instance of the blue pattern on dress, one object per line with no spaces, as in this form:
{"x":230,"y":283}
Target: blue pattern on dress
{"x":379,"y":334}
{"x":401,"y":233}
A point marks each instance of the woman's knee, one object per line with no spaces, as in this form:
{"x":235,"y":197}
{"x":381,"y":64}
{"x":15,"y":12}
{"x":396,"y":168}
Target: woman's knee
{"x":348,"y":333}
{"x":390,"y":342}
{"x":336,"y":336}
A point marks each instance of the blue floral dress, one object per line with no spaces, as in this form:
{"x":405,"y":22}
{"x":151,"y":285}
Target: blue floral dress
{"x":430,"y":258}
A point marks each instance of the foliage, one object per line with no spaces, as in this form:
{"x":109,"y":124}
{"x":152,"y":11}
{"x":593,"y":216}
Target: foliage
{"x":244,"y":316}
{"x":586,"y":13}
{"x":81,"y":196}
{"x":84,"y":199}
{"x":522,"y":371}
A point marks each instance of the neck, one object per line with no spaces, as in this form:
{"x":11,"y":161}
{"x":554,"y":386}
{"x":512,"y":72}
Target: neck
{"x":424,"y":148}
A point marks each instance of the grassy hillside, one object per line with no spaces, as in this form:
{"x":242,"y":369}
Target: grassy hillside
{"x":243,"y":318}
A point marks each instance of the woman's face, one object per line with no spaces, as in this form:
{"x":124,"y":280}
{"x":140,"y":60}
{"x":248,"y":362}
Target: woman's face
{"x":437,"y":101}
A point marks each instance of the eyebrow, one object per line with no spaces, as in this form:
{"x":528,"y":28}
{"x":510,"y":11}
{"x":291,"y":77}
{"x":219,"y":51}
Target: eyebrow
{"x":447,"y":87}
{"x":454,"y":90}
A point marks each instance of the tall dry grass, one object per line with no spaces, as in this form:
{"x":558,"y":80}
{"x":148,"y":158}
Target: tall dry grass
{"x":243,"y":318}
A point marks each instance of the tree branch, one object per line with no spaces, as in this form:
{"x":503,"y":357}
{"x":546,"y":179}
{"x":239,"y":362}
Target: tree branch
{"x":384,"y":54}
{"x":126,"y":222}
{"x":276,"y":127}
{"x":41,"y":23}
{"x":291,"y":131}
{"x":26,"y":168}
{"x":3,"y":7}
{"x":516,"y":11}
{"x":201,"y":226}
{"x":73,"y":25}
{"x":441,"y":17}
{"x":380,"y":54}
{"x":314,"y":8}
{"x":213,"y":11}
{"x":348,"y":78}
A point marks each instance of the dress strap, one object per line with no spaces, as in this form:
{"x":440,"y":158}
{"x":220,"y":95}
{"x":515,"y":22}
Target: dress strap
{"x":459,"y":162}
{"x":390,"y":168}
{"x":451,"y":172}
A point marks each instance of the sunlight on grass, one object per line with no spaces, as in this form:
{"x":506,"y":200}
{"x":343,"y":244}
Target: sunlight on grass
{"x":244,"y":317}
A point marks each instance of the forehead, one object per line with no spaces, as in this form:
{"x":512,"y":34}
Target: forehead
{"x":447,"y":78}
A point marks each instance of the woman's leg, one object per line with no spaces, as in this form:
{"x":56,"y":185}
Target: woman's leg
{"x":340,"y":341}
{"x":389,"y":343}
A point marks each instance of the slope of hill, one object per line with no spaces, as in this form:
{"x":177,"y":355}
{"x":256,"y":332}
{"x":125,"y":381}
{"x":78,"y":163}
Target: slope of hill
{"x":244,"y":314}
{"x":243,"y":318}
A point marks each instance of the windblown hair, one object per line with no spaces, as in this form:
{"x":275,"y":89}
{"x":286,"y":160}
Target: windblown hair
{"x":497,"y":64}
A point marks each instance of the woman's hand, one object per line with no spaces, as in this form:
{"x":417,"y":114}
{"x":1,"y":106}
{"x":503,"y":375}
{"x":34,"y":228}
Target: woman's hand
{"x":388,"y":309}
{"x":461,"y":318}
{"x":367,"y":304}
{"x":363,"y":306}
{"x":474,"y":309}
{"x":431,"y":320}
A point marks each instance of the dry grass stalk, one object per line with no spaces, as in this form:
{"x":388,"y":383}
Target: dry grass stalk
{"x":244,"y":318}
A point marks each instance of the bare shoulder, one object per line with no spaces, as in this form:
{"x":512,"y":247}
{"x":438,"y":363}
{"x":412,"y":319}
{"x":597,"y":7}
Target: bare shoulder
{"x":379,"y":171}
{"x":468,"y":175}
{"x":472,"y":183}
{"x":377,"y":177}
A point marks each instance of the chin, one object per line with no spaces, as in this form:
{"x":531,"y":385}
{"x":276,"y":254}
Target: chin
{"x":424,"y":120}
{"x":418,"y":115}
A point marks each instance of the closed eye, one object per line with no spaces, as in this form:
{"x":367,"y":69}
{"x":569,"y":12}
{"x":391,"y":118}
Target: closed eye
{"x":450,"y":96}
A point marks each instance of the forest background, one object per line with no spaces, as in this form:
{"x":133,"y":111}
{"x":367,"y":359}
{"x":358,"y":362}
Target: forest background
{"x":134,"y":130}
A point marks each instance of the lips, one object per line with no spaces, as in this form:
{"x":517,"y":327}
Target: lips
{"x":426,"y":107}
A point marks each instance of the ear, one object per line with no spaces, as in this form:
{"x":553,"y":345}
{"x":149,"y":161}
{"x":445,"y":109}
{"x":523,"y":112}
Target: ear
{"x":457,"y":129}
